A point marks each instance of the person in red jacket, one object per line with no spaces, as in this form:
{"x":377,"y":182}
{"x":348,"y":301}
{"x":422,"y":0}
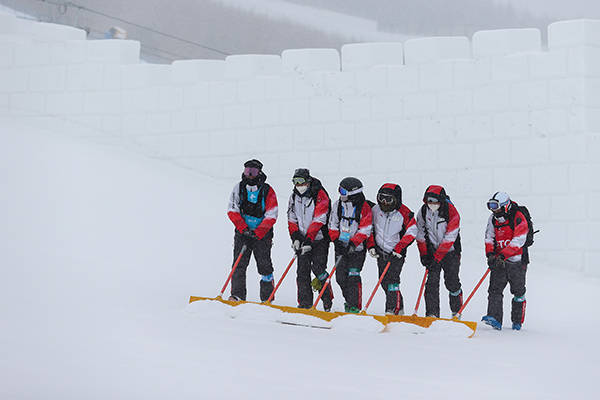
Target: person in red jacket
{"x":308,"y":209}
{"x":350,"y":224}
{"x":394,"y":229}
{"x":438,"y":240}
{"x":253,"y":211}
{"x":505,"y":238}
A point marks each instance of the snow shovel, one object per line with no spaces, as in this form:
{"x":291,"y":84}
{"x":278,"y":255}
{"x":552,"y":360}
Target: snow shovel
{"x":364,"y":311}
{"x":281,"y":279}
{"x":327,"y":282}
{"x":421,"y":292}
{"x":237,"y":261}
{"x":459,"y":313}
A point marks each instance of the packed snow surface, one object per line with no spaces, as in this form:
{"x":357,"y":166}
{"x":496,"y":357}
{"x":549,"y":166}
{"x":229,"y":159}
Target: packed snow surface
{"x":100,"y":250}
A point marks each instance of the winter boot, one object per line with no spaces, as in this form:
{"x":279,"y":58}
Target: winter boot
{"x":491,"y":321}
{"x":234,"y":298}
{"x":516,"y":326}
{"x":266,"y":287}
{"x":351,"y":309}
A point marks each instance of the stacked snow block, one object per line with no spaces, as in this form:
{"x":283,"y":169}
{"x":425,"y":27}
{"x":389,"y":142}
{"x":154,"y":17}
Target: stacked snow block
{"x":497,"y":112}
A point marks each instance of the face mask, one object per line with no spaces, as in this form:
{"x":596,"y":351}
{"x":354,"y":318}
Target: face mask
{"x":433,"y":206}
{"x":301,"y":189}
{"x":343,"y":198}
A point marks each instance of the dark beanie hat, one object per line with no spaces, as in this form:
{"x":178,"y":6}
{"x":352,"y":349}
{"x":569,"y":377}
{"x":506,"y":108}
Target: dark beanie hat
{"x":253,"y":164}
{"x":302,"y":173}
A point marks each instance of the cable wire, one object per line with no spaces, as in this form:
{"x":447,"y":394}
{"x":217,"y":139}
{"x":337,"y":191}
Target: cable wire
{"x":63,"y":6}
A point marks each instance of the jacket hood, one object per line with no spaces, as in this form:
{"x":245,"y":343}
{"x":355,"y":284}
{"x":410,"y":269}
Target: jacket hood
{"x":437,"y":192}
{"x":394,"y":190}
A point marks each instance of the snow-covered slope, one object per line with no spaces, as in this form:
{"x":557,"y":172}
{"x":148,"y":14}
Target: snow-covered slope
{"x":99,"y":251}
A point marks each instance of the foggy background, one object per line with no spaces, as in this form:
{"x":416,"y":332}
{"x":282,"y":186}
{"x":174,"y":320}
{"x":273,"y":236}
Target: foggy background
{"x":180,"y":29}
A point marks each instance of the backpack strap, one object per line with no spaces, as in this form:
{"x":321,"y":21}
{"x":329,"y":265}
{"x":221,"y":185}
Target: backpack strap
{"x":430,"y":250}
{"x":246,"y":208}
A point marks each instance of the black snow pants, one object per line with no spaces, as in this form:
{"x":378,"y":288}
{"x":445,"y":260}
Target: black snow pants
{"x":394,"y":303}
{"x":262,"y":255}
{"x":316,"y":262}
{"x":347,"y":276}
{"x":451,"y":266}
{"x":513,"y":273}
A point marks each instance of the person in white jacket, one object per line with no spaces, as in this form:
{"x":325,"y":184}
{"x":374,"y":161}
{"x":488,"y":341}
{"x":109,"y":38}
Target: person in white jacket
{"x":394,"y":229}
{"x":438,"y":239}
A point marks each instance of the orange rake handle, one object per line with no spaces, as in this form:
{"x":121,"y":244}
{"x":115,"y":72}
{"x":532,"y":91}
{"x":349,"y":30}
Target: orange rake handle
{"x":281,"y":279}
{"x":376,"y":286}
{"x":473,"y":292}
{"x":421,"y":291}
{"x":327,"y":282}
{"x":237,"y":261}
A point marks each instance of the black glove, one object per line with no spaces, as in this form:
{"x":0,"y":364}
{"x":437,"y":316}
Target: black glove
{"x":491,"y":261}
{"x":496,"y":261}
{"x":297,"y":236}
{"x":500,"y":262}
{"x":249,"y":236}
{"x":426,"y":260}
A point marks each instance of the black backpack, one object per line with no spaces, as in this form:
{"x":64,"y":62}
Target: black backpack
{"x":530,"y":231}
{"x":253,"y":209}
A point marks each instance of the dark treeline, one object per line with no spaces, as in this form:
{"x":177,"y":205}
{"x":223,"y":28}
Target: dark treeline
{"x":433,"y":17}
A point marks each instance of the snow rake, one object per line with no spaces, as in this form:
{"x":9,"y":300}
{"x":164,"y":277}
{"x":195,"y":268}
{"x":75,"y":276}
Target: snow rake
{"x":424,"y":322}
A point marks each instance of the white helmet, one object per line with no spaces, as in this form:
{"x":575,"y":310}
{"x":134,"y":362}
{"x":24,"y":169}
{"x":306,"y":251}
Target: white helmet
{"x":499,"y":204}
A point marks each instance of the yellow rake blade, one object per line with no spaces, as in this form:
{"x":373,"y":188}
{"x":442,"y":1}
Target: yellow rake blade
{"x":424,"y":322}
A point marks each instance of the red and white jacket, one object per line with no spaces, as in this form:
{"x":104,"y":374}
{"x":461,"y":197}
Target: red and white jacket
{"x":442,"y":232}
{"x":270,"y":211}
{"x":307,"y":215}
{"x":359,"y":232}
{"x":500,"y":238}
{"x":387,"y":227}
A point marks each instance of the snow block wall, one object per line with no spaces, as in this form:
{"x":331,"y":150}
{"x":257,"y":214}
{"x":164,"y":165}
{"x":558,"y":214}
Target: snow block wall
{"x":495,"y":112}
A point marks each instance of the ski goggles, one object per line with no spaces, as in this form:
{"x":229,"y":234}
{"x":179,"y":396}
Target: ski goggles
{"x":385,"y":199}
{"x":345,"y":192}
{"x":433,"y":200}
{"x":494,"y":205}
{"x":298,"y":180}
{"x":251,"y":172}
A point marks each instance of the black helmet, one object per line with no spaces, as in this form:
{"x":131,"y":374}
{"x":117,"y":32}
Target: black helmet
{"x":253,"y":174}
{"x":389,"y":197}
{"x":349,"y":185}
{"x":351,"y":190}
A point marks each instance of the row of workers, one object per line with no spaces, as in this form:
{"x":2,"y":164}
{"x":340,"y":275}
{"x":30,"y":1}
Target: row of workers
{"x":384,"y":229}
